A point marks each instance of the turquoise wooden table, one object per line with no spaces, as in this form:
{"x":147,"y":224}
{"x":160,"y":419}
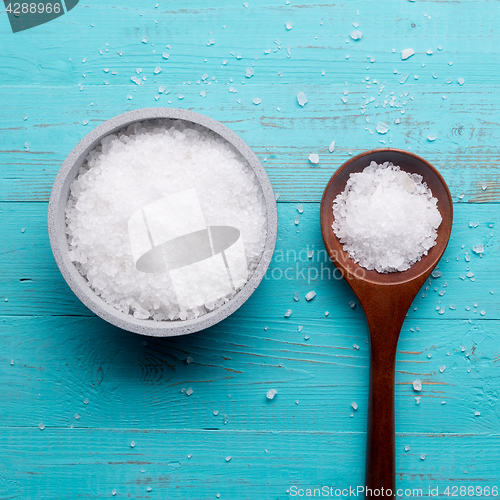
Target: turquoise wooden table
{"x":77,"y":393}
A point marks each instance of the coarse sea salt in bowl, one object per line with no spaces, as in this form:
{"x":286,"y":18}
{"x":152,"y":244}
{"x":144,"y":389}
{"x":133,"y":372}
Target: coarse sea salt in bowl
{"x":162,"y":221}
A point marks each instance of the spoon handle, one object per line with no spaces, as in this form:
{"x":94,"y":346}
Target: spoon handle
{"x":380,"y":451}
{"x":385,"y":312}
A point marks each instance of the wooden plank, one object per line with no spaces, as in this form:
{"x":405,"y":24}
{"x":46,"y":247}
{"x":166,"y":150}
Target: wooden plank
{"x":465,"y":152}
{"x":34,"y":286}
{"x":132,"y":382}
{"x":91,"y":463}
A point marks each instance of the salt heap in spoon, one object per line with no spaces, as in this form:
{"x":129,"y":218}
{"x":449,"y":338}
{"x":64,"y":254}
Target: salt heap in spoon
{"x":386,"y":218}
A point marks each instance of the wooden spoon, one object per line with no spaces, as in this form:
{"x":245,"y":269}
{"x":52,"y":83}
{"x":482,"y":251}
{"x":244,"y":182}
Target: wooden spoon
{"x":385,"y":298}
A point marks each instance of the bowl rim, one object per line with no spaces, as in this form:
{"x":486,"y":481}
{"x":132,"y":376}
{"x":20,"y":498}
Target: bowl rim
{"x":56,"y":220}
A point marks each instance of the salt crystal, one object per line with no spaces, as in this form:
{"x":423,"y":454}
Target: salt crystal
{"x":297,"y":220}
{"x":228,"y":459}
{"x":41,"y":427}
{"x":86,"y":401}
{"x":483,"y":313}
{"x":288,"y":313}
{"x":157,"y":70}
{"x":372,"y":206}
{"x":189,"y":391}
{"x":406,"y":53}
{"x":300,"y":208}
{"x":216,"y":412}
{"x":327,"y":313}
{"x":382,"y":128}
{"x":331,"y":148}
{"x":249,"y":72}
{"x":301,"y":98}
{"x":417,"y":399}
{"x":165,"y":55}
{"x":461,"y":81}
{"x":300,"y":328}
{"x":148,"y":489}
{"x":314,"y":158}
{"x":442,"y":368}
{"x":403,"y":78}
{"x":271,"y":393}
{"x":189,"y":360}
{"x":288,"y":25}
{"x":417,"y":385}
{"x":407,"y":448}
{"x":306,"y":337}
{"x":422,"y":457}
{"x":113,"y":492}
{"x":432,"y":137}
{"x":257,"y":100}
{"x":352,"y":304}
{"x":477,"y":413}
{"x":310,"y":295}
{"x":478,"y":248}
{"x":132,"y":444}
{"x":436,"y":274}
{"x":354,"y":405}
{"x":356,"y":34}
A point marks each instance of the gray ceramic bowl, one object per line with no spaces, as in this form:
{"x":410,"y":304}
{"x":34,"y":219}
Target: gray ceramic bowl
{"x":59,"y":241}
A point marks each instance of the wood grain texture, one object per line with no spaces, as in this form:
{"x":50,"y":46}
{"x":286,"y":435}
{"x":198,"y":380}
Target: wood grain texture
{"x":63,"y":354}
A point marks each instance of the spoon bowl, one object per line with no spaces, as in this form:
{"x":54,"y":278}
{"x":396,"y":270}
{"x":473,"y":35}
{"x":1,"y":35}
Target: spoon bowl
{"x":385,"y":298}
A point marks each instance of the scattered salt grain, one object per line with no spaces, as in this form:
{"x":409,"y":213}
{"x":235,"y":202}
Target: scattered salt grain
{"x":331,"y":148}
{"x":86,"y":401}
{"x":417,"y":385}
{"x":355,"y":346}
{"x":257,"y":100}
{"x":288,"y":25}
{"x":442,"y":368}
{"x":300,"y":208}
{"x":354,"y":405}
{"x":288,"y":313}
{"x":422,"y":457}
{"x":407,"y":448}
{"x":301,"y":98}
{"x":41,"y":426}
{"x":382,"y":128}
{"x":406,"y":53}
{"x":417,"y":400}
{"x":271,"y":393}
{"x":132,"y":444}
{"x":478,"y":249}
{"x":385,"y":218}
{"x":477,"y":413}
{"x":352,"y":304}
{"x":296,"y":296}
{"x":157,"y":70}
{"x":310,"y":295}
{"x":228,"y":459}
{"x":314,"y":158}
{"x":432,"y":137}
{"x":189,"y":391}
{"x":249,"y":72}
{"x":356,"y":34}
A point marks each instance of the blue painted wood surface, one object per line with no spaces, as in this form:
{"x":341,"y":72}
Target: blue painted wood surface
{"x":96,"y":388}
